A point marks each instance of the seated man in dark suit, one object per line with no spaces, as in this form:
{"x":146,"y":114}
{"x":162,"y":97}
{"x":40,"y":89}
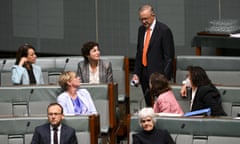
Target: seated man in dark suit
{"x":54,"y":132}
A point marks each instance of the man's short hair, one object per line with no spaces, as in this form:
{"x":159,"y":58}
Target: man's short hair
{"x":55,"y":104}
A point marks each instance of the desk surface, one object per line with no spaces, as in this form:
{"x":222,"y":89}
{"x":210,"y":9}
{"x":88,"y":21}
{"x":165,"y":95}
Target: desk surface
{"x":216,"y":41}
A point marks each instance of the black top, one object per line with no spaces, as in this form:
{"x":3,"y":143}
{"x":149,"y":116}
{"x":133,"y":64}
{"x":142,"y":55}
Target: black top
{"x":32,"y":79}
{"x":208,"y":97}
{"x":155,"y":136}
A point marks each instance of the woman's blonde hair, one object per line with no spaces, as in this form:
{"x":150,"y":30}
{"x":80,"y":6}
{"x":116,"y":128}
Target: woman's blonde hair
{"x":66,"y":77}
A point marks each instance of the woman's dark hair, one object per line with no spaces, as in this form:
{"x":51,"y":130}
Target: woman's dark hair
{"x":23,"y":52}
{"x":87,"y":47}
{"x":159,"y":84}
{"x":198,"y":76}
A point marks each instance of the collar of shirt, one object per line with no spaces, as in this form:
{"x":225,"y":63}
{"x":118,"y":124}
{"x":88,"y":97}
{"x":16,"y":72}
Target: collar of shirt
{"x":153,"y":25}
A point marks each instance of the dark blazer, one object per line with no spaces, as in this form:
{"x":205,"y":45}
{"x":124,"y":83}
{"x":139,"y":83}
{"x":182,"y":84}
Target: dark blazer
{"x":208,"y":97}
{"x":160,"y":54}
{"x":42,"y":135}
{"x":105,"y":71}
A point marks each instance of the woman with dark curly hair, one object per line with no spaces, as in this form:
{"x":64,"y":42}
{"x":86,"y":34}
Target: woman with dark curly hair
{"x":93,"y":69}
{"x":166,"y":101}
{"x":204,"y":93}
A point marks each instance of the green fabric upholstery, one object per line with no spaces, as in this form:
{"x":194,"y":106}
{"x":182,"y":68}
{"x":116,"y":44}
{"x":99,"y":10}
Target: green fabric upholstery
{"x":20,"y":129}
{"x":196,"y":130}
{"x":220,"y":69}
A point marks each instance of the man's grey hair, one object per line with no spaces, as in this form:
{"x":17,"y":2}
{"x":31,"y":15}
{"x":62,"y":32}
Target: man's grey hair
{"x":146,"y":6}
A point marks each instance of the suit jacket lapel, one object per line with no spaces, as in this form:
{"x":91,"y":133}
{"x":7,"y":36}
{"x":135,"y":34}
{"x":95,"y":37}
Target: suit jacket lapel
{"x":153,"y":36}
{"x":142,"y":35}
{"x":48,"y":134}
{"x":100,"y":66}
{"x":63,"y":134}
{"x":85,"y":72}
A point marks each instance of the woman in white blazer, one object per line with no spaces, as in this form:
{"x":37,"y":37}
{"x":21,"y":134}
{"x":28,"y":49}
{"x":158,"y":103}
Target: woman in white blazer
{"x":25,"y":71}
{"x":74,"y":101}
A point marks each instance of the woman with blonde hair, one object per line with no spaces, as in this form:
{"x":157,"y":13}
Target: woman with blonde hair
{"x":74,"y":100}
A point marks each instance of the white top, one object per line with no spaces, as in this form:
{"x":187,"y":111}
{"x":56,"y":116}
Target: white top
{"x":94,"y":76}
{"x":65,"y":101}
{"x":193,"y":96}
{"x":188,"y":84}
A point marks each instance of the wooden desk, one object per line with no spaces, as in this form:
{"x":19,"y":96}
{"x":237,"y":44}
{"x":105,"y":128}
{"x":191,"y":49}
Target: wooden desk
{"x":216,"y":41}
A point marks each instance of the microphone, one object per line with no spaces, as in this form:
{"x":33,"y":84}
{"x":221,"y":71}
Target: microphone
{"x":66,"y":61}
{"x":27,"y":126}
{"x":28,"y":101}
{"x":53,"y":76}
{"x":222,"y":91}
{"x":26,"y":131}
{"x":3,"y":64}
{"x":182,"y":127}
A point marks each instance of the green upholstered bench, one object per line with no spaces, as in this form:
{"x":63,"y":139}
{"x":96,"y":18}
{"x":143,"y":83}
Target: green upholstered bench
{"x":190,"y":130}
{"x":230,"y":99}
{"x":220,"y":69}
{"x":20,"y":129}
{"x":17,"y":99}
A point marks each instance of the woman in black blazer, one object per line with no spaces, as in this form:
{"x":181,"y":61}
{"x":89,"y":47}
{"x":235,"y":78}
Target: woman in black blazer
{"x":204,"y":93}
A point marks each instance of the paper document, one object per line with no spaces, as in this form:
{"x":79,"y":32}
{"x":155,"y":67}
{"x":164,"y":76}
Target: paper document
{"x":237,"y":35}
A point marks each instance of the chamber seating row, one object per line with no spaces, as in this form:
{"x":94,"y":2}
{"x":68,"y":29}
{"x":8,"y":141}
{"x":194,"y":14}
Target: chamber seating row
{"x":221,"y":70}
{"x":53,"y":66}
{"x":230,"y":99}
{"x":195,"y":130}
{"x":19,"y":130}
{"x":33,"y":100}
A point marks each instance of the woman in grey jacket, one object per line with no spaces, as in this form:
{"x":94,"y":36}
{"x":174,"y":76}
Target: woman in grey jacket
{"x":92,"y":69}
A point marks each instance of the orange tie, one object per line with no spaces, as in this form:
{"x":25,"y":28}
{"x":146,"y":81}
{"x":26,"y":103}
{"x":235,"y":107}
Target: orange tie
{"x":145,"y":48}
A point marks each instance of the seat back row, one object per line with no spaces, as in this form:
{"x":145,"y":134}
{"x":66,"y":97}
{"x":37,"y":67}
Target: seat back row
{"x":20,"y":129}
{"x":53,"y":66}
{"x":33,"y":101}
{"x":221,"y":70}
{"x":185,"y":130}
{"x":229,"y":94}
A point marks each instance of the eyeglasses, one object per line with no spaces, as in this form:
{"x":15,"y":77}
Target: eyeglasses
{"x":55,"y":114}
{"x":146,"y":120}
{"x":145,"y":18}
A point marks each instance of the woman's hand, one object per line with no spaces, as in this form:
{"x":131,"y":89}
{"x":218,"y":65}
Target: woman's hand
{"x":22,"y":61}
{"x":183,"y":91}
